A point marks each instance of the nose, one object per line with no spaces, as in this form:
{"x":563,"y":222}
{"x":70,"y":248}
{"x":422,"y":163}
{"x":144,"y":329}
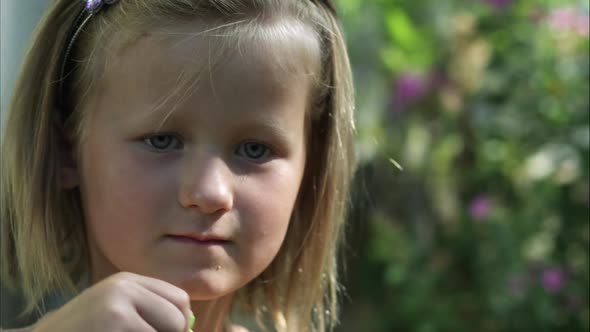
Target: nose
{"x":206,"y":185}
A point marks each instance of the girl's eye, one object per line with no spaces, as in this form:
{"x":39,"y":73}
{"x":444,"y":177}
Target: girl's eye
{"x":255,"y":151}
{"x":163,"y":142}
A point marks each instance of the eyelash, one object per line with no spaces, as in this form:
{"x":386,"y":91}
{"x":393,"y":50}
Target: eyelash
{"x":149,"y":141}
{"x":266,"y":153}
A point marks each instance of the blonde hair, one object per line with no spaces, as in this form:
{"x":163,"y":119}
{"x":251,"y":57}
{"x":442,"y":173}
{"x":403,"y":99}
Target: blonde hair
{"x":43,"y":233}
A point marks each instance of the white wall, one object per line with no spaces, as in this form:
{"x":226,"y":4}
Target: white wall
{"x":18,"y":18}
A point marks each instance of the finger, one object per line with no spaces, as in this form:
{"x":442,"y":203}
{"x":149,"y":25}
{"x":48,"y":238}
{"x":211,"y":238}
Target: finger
{"x":168,"y":291}
{"x":157,"y":311}
{"x":141,"y":325}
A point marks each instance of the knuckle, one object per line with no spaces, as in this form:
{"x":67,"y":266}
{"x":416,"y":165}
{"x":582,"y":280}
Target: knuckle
{"x":119,"y":281}
{"x":183,"y":297}
{"x":118,"y":314}
{"x":122,"y":276}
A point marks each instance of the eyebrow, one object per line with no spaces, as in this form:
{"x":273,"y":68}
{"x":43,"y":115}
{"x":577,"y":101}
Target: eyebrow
{"x":265,"y":125}
{"x":272,"y":128}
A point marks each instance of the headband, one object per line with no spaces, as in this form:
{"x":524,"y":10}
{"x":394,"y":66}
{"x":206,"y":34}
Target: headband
{"x":91,"y":7}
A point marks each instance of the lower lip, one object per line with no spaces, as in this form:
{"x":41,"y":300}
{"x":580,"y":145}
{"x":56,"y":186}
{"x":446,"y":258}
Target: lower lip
{"x":190,"y":240}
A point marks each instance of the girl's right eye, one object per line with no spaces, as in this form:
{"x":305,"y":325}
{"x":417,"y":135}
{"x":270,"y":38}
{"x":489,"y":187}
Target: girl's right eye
{"x":163,"y":142}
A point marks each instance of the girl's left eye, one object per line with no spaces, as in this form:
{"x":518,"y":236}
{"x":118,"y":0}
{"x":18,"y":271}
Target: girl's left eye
{"x":163,"y":142}
{"x":254,"y":151}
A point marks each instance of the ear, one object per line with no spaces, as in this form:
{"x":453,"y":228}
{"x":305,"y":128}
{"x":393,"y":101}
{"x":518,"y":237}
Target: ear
{"x":68,"y":168}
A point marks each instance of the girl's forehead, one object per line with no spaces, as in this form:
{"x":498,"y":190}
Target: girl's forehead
{"x":163,"y":66}
{"x":276,"y":48}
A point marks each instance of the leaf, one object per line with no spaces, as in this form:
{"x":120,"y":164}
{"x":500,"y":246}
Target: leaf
{"x":401,"y":30}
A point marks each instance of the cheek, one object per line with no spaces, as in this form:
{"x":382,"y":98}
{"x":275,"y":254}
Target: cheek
{"x":265,"y":214}
{"x":120,"y":198}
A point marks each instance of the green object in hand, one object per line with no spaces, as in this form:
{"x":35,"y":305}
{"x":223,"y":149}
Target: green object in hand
{"x":191,"y":322}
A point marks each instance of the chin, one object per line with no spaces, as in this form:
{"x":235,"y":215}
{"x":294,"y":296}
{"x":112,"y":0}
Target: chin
{"x":209,"y":286}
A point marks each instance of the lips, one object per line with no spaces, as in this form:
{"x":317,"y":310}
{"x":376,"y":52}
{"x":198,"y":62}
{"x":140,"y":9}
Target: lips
{"x":198,"y":239}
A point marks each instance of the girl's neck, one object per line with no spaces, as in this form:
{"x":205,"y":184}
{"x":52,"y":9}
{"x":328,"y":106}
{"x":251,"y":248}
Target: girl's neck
{"x":212,"y":316}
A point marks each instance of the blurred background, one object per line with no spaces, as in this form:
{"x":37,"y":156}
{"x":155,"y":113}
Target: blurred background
{"x":471,"y":208}
{"x":471,"y":205}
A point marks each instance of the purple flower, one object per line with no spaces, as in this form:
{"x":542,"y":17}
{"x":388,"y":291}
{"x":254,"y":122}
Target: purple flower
{"x":480,"y":208}
{"x":553,"y":280}
{"x":409,"y":88}
{"x":499,"y":4}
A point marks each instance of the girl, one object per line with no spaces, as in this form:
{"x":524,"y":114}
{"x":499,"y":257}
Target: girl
{"x":181,"y":155}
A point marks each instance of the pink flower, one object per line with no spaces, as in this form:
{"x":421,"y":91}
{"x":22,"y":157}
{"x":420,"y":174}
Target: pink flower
{"x":409,"y":88}
{"x":568,"y":19}
{"x":553,"y":280}
{"x":562,"y":19}
{"x":480,"y":208}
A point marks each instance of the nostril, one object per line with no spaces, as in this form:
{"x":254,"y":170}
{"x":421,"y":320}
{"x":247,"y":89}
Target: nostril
{"x":207,"y":199}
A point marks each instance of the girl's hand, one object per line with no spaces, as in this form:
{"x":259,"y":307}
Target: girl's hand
{"x":124,"y":302}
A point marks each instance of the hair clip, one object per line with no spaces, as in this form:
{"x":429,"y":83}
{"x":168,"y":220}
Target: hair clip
{"x":94,"y":6}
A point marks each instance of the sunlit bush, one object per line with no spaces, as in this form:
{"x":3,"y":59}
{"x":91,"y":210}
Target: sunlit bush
{"x":471,"y":209}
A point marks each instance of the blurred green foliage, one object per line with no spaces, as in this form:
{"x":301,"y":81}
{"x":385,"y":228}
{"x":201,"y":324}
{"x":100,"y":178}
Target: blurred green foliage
{"x":471,"y":208}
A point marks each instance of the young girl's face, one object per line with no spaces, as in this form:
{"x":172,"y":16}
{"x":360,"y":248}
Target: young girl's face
{"x":204,"y":200}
